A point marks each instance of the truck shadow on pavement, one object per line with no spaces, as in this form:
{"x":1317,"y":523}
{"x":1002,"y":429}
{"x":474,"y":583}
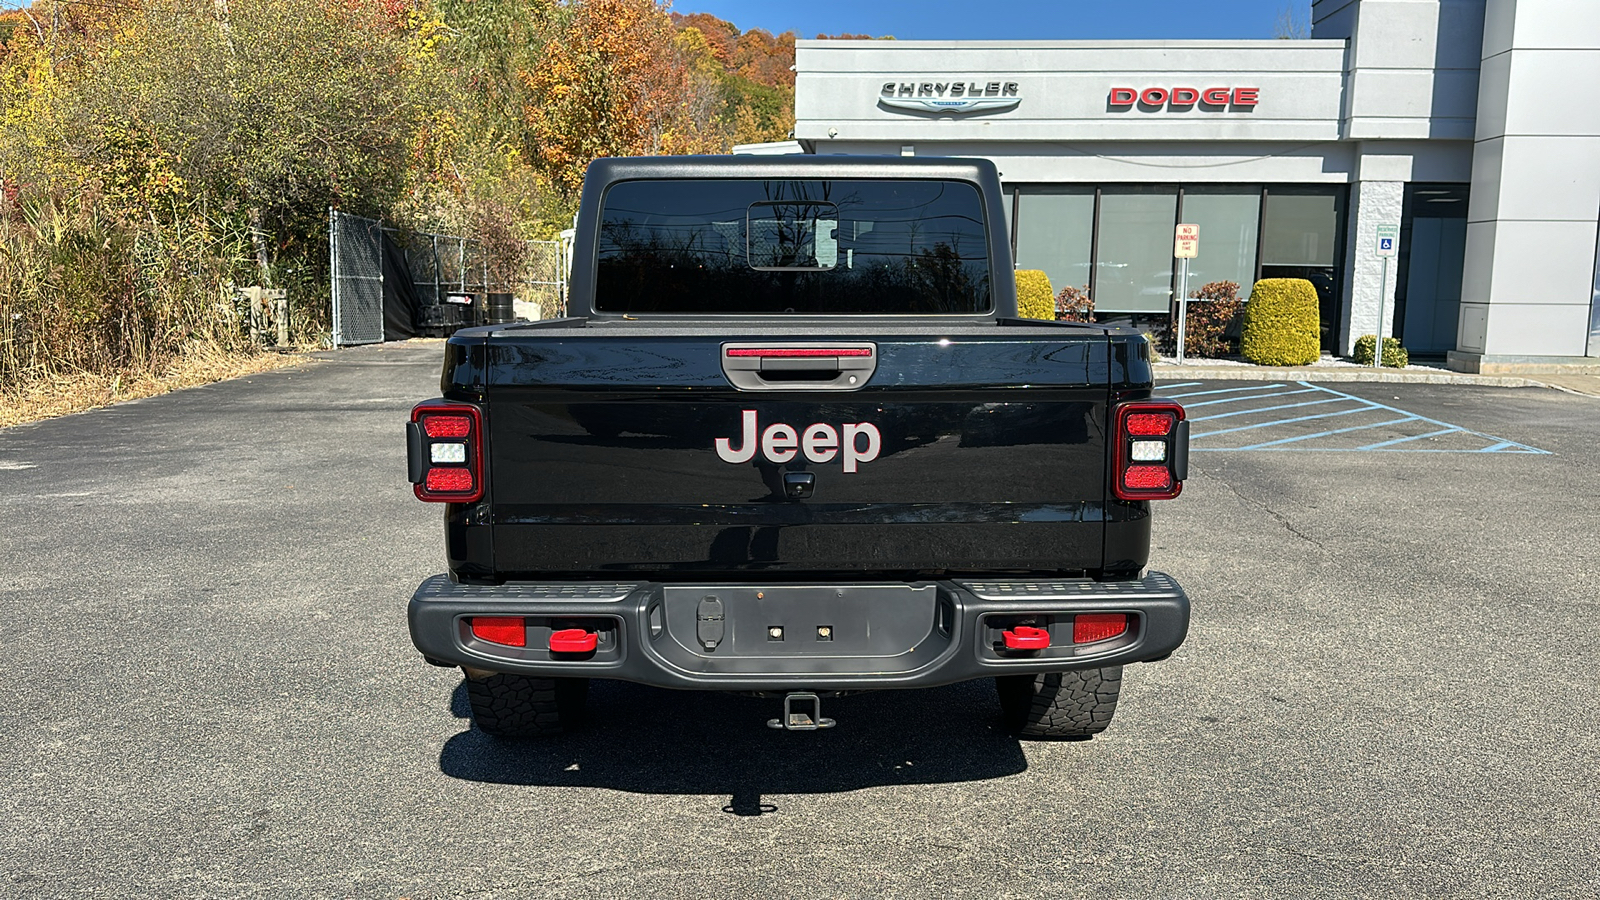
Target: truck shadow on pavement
{"x":653,"y":741}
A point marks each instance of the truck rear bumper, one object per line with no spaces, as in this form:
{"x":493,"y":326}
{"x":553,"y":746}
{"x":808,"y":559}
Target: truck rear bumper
{"x":798,"y":636}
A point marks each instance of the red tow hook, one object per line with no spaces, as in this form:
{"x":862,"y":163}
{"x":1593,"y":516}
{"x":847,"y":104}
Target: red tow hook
{"x":1026,"y":637}
{"x":573,"y":640}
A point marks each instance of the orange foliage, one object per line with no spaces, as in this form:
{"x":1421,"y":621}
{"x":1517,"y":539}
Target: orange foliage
{"x":755,"y":54}
{"x":721,"y":35}
{"x":765,"y":59}
{"x":611,"y":83}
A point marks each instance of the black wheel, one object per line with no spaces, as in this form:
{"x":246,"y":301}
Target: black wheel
{"x":507,"y":705}
{"x":1076,"y":704}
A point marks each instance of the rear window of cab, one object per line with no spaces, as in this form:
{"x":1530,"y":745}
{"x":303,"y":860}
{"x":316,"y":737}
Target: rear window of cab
{"x":836,"y":246}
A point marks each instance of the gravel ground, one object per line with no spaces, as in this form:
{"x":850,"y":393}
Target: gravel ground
{"x":1389,"y":689}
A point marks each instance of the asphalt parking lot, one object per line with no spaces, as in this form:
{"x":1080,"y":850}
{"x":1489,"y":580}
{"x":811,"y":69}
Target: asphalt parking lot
{"x":1390,"y":687}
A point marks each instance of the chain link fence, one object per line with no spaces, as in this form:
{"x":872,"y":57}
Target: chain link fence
{"x":440,"y":266}
{"x":356,"y":259}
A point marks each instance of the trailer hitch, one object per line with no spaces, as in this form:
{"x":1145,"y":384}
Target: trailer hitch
{"x":802,"y":711}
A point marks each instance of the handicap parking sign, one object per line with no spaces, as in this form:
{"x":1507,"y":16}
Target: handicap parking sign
{"x":1388,"y":240}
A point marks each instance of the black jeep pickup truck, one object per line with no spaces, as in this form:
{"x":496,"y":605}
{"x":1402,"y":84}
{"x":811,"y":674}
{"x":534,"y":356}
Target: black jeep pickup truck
{"x":794,"y":441}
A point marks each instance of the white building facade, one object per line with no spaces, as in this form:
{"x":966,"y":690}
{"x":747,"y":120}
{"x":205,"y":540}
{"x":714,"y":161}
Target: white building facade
{"x":1470,"y":124}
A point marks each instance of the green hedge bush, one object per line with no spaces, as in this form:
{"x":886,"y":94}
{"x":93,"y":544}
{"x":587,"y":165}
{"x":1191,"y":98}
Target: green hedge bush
{"x":1035,"y":298}
{"x":1394,"y":355}
{"x":1281,"y":326}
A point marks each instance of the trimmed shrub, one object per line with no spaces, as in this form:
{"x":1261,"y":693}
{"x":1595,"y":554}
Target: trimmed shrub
{"x":1281,"y":326}
{"x":1394,"y":355}
{"x":1074,"y":305}
{"x":1213,"y":309}
{"x":1035,"y":298}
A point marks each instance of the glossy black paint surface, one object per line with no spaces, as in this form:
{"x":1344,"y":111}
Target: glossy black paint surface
{"x":600,"y":447}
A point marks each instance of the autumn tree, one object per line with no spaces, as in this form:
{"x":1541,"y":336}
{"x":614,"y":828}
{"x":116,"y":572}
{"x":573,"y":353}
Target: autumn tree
{"x":612,"y":82}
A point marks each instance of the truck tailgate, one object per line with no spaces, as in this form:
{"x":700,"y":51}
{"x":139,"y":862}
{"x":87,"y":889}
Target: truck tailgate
{"x":989,"y":456}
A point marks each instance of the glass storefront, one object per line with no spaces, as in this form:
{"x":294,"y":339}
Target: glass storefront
{"x":1229,"y":220}
{"x":1117,"y":239}
{"x":1055,"y":233}
{"x":1133,"y":268}
{"x":1303,"y":237}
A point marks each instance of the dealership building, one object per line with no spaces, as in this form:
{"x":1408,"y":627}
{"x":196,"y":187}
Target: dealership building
{"x":1471,"y":125}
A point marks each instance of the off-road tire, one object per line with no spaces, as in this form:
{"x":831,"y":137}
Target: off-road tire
{"x":508,"y":705}
{"x":1077,"y":704}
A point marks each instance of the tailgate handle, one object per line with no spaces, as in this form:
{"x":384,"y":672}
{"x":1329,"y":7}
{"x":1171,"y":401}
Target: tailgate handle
{"x":799,"y":366}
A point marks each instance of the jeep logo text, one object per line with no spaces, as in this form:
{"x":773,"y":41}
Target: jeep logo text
{"x":820,"y":443}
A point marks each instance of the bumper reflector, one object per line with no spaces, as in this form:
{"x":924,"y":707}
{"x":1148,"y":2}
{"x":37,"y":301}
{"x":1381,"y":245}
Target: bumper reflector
{"x":573,"y":640}
{"x":1090,"y":627}
{"x":1026,"y":637}
{"x":506,"y":630}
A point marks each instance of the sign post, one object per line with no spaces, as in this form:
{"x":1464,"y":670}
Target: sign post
{"x":1185,"y":246}
{"x":1387,"y":247}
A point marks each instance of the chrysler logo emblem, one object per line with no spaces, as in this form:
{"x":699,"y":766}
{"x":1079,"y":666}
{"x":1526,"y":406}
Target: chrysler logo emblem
{"x":950,"y":96}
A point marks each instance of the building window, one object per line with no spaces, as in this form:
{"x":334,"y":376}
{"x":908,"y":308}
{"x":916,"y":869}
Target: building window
{"x":1133,"y":268}
{"x":1055,"y":233}
{"x":1229,"y":218}
{"x":1303,"y":237}
{"x":1125,"y":254}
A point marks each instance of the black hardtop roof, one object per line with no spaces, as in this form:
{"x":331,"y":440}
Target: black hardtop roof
{"x":607,"y":170}
{"x":610,"y":170}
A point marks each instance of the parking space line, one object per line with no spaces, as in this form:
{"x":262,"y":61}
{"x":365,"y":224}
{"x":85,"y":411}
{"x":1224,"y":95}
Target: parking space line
{"x":1498,"y":447}
{"x":1393,"y":445}
{"x":1259,"y":387}
{"x":1414,"y":437}
{"x":1307,"y":437}
{"x":1342,"y":412}
{"x":1248,"y":397}
{"x":1185,"y":384}
{"x":1246,"y":412}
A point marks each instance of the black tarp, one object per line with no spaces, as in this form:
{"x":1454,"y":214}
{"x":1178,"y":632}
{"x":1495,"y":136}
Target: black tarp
{"x":400,"y":300}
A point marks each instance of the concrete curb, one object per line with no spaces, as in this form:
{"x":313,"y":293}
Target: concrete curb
{"x":1169,"y":372}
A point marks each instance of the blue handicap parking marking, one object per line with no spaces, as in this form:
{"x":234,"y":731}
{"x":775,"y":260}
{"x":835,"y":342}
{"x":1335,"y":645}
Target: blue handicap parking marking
{"x":1306,"y":417}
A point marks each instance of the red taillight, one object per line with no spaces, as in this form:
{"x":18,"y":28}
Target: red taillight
{"x":1159,"y":424}
{"x":507,"y":630}
{"x":1150,"y":450}
{"x":437,"y":427}
{"x":1147,"y":478}
{"x":448,"y":481}
{"x":446,"y":449}
{"x":1090,"y":627}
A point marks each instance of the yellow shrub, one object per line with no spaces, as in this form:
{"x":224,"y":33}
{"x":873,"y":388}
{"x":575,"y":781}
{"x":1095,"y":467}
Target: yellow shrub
{"x":1035,"y":298}
{"x":1281,"y":326}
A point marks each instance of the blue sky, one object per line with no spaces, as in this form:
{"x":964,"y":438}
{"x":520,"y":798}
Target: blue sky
{"x":1008,"y":19}
{"x":1001,"y":19}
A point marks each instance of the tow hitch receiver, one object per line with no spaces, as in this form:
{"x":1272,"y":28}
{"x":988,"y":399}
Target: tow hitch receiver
{"x":802,"y":711}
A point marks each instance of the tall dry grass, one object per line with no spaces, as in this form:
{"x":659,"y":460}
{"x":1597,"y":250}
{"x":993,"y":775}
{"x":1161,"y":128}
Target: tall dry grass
{"x":83,"y":295}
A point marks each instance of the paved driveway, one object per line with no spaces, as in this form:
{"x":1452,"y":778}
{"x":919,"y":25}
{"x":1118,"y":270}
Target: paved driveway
{"x":1390,"y":689}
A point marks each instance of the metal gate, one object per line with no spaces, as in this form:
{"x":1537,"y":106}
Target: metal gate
{"x":355,"y":246}
{"x":440,"y":265}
